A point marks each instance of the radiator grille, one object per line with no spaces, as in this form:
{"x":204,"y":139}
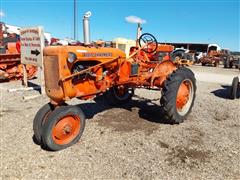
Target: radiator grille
{"x":51,"y":72}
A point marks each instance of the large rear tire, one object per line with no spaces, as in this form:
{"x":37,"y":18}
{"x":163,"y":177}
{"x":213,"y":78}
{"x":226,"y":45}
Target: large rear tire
{"x":178,"y":95}
{"x":63,"y":128}
{"x":118,"y":95}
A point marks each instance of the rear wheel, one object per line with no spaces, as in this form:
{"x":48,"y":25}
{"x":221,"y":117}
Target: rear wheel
{"x":118,"y":95}
{"x":178,"y":95}
{"x":63,"y":128}
{"x":234,"y":88}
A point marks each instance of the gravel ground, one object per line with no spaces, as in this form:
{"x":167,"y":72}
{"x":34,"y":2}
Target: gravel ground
{"x":127,"y":143}
{"x":214,"y":75}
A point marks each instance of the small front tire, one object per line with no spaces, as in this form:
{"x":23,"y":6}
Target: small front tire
{"x":39,"y":120}
{"x":64,"y":127}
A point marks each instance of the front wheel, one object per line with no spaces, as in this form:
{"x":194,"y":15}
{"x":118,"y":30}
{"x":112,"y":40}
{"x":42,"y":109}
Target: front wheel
{"x":63,"y":128}
{"x":40,"y":119}
{"x":178,"y":95}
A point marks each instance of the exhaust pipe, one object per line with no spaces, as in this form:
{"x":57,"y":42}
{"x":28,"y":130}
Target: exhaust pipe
{"x":86,"y":28}
{"x":139,"y":33}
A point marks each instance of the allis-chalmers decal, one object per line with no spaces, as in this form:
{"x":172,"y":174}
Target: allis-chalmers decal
{"x":97,"y":54}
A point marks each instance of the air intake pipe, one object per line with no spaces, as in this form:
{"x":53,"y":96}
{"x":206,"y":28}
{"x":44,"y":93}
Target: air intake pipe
{"x":86,"y":28}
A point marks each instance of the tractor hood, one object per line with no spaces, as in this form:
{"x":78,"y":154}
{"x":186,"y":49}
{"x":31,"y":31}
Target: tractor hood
{"x":85,"y":53}
{"x":57,"y":66}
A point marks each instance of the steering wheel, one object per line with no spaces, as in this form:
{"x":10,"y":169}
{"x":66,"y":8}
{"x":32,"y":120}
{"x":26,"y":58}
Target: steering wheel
{"x":148,"y":42}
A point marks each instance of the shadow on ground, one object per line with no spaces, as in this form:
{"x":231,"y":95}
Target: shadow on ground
{"x":223,"y":92}
{"x":35,"y":86}
{"x":147,"y":109}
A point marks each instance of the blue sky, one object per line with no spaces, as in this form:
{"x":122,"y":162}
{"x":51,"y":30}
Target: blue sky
{"x":173,"y":21}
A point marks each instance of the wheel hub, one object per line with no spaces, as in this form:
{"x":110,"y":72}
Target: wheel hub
{"x":183,"y":95}
{"x":66,"y":129}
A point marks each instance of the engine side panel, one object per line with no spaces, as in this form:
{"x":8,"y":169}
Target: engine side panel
{"x":96,"y":81}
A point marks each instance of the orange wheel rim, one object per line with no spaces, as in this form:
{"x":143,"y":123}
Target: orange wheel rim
{"x":66,"y":129}
{"x":183,"y":95}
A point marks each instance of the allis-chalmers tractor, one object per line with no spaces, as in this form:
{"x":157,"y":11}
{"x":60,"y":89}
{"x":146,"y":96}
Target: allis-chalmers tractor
{"x":87,"y":71}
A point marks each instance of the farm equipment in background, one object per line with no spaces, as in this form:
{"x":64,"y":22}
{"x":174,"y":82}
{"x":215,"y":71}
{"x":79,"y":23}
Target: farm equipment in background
{"x":10,"y":65}
{"x":183,"y":56}
{"x":212,"y":58}
{"x":85,"y":72}
{"x":123,"y":44}
{"x":216,"y":56}
{"x":231,"y":59}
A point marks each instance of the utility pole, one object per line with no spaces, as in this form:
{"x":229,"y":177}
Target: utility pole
{"x":75,"y":20}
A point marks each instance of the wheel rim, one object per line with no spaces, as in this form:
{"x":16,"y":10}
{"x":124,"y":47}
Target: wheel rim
{"x":66,"y":129}
{"x":184,"y":97}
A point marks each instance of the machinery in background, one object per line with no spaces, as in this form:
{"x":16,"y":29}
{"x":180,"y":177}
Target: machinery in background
{"x":183,"y":56}
{"x":123,"y":44}
{"x":216,"y":56}
{"x":212,"y":57}
{"x":231,"y":59}
{"x":10,"y":65}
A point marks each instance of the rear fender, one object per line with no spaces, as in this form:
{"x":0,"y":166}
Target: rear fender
{"x":161,"y":71}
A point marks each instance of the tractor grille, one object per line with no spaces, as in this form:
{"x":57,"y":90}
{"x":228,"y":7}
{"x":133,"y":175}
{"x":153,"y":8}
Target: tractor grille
{"x":51,"y":72}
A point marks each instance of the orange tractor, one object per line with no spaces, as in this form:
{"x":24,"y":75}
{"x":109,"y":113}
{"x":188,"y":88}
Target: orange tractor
{"x":87,"y":71}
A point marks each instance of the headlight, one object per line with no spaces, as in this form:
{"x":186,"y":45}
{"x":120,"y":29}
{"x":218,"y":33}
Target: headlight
{"x":71,"y":57}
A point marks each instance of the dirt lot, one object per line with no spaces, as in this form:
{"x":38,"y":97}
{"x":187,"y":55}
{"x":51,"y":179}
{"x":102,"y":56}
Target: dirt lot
{"x":129,"y":142}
